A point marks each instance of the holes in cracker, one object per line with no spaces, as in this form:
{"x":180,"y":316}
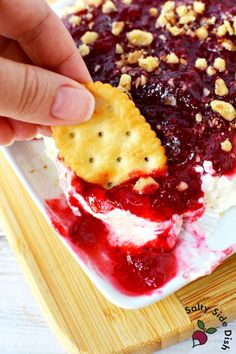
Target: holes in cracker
{"x":109,"y":185}
{"x":119,"y":159}
{"x":91,"y":160}
{"x":146,"y":159}
{"x":128,"y":133}
{"x":71,"y":135}
{"x":100,"y":134}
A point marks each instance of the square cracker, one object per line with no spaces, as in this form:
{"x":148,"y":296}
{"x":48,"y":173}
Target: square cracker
{"x":116,"y":144}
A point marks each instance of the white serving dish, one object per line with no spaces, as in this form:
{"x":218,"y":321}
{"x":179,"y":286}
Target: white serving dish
{"x":197,"y":255}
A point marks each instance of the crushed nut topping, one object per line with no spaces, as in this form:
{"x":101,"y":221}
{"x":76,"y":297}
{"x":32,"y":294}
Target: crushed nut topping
{"x":211,"y":71}
{"x":182,"y":186}
{"x":90,"y":25}
{"x":188,"y":18}
{"x":221,"y":31}
{"x":140,"y":38}
{"x":220,"y":88}
{"x":229,"y":28}
{"x":206,"y":92}
{"x":211,"y":20}
{"x":201,"y":64}
{"x":119,"y":49}
{"x":174,"y":30}
{"x":143,"y":80}
{"x":183,"y":61}
{"x":127,"y":2}
{"x":133,"y":57}
{"x":229,"y":45}
{"x":95,"y":3}
{"x":140,"y":81}
{"x":234,"y":24}
{"x":84,"y":50}
{"x":199,"y":7}
{"x":149,"y":64}
{"x":180,"y":19}
{"x":198,"y":117}
{"x":182,"y":10}
{"x":225,"y":109}
{"x":226,"y":145}
{"x":145,"y":182}
{"x":125,"y":82}
{"x":172,"y":58}
{"x":167,"y":10}
{"x":220,"y":64}
{"x":168,"y":6}
{"x":170,"y":101}
{"x":117,"y":27}
{"x":74,"y":20}
{"x":201,"y":33}
{"x":89,"y":37}
{"x":108,"y":7}
{"x":81,"y":5}
{"x":153,"y":11}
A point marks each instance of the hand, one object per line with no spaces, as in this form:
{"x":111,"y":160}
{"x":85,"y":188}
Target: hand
{"x":40,"y":67}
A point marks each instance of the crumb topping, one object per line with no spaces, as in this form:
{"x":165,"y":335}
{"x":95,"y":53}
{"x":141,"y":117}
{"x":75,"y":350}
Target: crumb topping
{"x":201,"y":64}
{"x":226,"y":145}
{"x":172,"y":58}
{"x":89,"y":37}
{"x":225,"y":109}
{"x":117,"y":27}
{"x":220,"y":88}
{"x":199,"y":7}
{"x":149,"y":64}
{"x":182,"y":186}
{"x":84,"y":50}
{"x":211,"y":71}
{"x":108,"y":7}
{"x":143,"y":184}
{"x":74,"y":20}
{"x":220,"y":64}
{"x":119,"y":49}
{"x":140,"y":38}
{"x":125,"y":82}
{"x":153,"y":11}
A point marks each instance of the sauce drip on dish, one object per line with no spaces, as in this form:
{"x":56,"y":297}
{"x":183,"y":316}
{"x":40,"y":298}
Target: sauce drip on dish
{"x":133,"y":274}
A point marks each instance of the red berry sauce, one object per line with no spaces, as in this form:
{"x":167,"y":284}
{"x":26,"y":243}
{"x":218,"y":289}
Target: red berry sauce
{"x":133,"y":274}
{"x":171,"y":98}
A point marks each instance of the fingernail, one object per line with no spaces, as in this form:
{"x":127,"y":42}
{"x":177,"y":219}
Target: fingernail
{"x":73,"y":104}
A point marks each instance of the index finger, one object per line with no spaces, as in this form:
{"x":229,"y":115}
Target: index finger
{"x":42,"y":36}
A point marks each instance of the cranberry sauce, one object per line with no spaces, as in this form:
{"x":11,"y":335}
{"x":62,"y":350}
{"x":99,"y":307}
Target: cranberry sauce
{"x":133,"y":274}
{"x":195,"y":48}
{"x":175,"y":98}
{"x":159,"y":205}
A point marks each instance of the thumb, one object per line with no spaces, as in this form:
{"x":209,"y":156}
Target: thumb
{"x":35,"y":95}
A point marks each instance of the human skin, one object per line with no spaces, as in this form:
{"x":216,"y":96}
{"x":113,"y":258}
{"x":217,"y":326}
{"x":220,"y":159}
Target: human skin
{"x":40,"y":70}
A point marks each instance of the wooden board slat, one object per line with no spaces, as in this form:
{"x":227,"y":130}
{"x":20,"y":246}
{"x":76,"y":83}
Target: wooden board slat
{"x":79,"y":315}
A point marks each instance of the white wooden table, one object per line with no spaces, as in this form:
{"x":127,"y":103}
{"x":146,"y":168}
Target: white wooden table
{"x":23,"y":330}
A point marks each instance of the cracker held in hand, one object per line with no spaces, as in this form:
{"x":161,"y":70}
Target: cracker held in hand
{"x":115,"y":145}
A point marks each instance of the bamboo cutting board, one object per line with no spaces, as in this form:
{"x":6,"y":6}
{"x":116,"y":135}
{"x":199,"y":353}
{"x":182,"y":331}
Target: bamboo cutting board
{"x":79,"y":315}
